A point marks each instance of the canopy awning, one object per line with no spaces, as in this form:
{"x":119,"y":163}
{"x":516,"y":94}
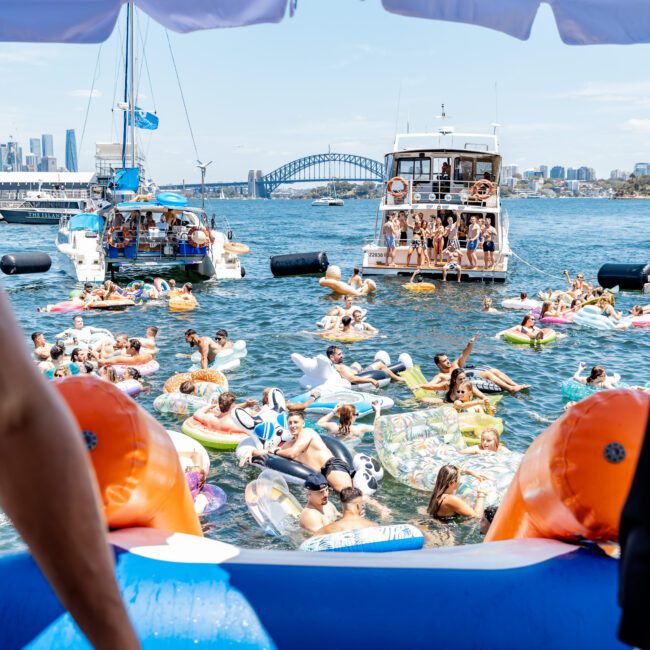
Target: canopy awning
{"x":580,"y":22}
{"x":92,"y":21}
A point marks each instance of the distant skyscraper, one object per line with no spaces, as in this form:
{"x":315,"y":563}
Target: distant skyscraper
{"x":31,"y":161}
{"x":3,"y":157}
{"x":618,"y":175}
{"x":544,"y":170}
{"x":48,"y":164}
{"x":571,"y":174}
{"x":71,"y":151}
{"x":586,"y":174}
{"x":558,"y":172}
{"x":48,"y":145}
{"x":35,"y":147}
{"x":641,"y":169}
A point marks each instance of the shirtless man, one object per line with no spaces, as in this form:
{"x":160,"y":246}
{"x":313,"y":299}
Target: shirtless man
{"x":389,"y":230}
{"x":133,"y":356}
{"x":221,"y":337}
{"x":333,"y":317}
{"x":335,"y":355}
{"x":219,"y":417}
{"x":207,"y":347}
{"x":358,"y":324}
{"x":451,"y":231}
{"x":319,"y":511}
{"x":454,"y":257}
{"x":353,"y":511}
{"x":489,"y":233}
{"x":41,"y":348}
{"x":308,"y":448}
{"x":473,"y":235}
{"x":108,"y":349}
{"x":79,"y":333}
{"x":149,"y":340}
{"x":441,"y":381}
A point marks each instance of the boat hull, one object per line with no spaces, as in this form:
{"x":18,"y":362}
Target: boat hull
{"x":36,"y":217}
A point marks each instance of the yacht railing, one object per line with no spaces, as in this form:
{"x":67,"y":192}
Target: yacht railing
{"x":17,"y":195}
{"x":442,"y":191}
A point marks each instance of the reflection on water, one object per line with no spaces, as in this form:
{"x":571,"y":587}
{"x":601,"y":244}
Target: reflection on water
{"x":272,"y":315}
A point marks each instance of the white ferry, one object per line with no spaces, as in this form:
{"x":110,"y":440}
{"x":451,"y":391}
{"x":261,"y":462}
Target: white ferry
{"x":444,"y":174}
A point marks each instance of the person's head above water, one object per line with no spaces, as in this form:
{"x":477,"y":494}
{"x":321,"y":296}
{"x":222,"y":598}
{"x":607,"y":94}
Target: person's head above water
{"x":490,"y":440}
{"x":523,"y":295}
{"x":191,"y":337}
{"x":226,"y":401}
{"x":317,"y":490}
{"x":77,"y":322}
{"x":446,"y":483}
{"x":598,"y":374}
{"x":346,"y":321}
{"x":221,"y":336}
{"x":334,"y":354}
{"x":352,"y":501}
{"x":443,"y":363}
{"x":38,"y":339}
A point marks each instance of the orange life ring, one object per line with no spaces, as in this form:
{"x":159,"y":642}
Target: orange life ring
{"x":140,"y":481}
{"x":125,"y":237}
{"x":195,"y":229}
{"x":236,"y":247}
{"x":483,"y":188}
{"x":398,"y":194}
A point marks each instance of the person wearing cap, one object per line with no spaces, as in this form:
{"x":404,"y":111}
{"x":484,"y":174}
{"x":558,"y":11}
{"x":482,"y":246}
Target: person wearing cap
{"x":353,"y":514}
{"x":319,"y":511}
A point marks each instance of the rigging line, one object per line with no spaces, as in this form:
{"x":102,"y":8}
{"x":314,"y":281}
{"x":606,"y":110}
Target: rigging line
{"x":145,"y":62}
{"x":118,"y":65}
{"x":535,"y":268}
{"x":187,"y":115}
{"x":90,"y":97}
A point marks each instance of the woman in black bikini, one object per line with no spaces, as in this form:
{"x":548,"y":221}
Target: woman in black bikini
{"x":417,"y":241}
{"x":445,"y":504}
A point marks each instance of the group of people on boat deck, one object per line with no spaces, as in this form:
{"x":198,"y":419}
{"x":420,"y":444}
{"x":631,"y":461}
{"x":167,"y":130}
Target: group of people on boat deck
{"x":434,"y":241}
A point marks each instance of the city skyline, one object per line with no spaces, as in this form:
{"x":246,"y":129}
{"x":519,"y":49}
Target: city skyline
{"x":267,"y":106}
{"x":41,"y":154}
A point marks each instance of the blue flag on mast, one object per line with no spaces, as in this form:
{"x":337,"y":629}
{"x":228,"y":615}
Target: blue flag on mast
{"x":144,"y":120}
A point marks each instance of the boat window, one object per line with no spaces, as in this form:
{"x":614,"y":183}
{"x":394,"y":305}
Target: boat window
{"x":441,"y":169}
{"x":463,"y":169}
{"x":484,"y":167}
{"x":388,"y":169}
{"x":417,"y":169}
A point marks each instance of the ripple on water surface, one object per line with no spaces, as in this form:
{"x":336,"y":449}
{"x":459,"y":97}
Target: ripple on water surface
{"x":273,"y":316}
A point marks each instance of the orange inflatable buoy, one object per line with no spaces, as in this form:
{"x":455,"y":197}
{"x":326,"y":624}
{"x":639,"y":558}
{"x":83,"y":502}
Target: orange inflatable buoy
{"x":574,"y":479}
{"x":397,"y":193}
{"x":140,"y":480}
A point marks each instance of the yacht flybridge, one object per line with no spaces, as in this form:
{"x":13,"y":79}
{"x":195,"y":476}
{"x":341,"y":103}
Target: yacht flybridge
{"x":140,"y":235}
{"x":453,"y":176}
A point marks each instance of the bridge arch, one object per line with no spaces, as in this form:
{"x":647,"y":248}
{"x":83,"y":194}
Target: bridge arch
{"x":323,"y":167}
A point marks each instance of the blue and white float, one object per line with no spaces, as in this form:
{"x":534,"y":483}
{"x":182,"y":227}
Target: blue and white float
{"x":229,"y":359}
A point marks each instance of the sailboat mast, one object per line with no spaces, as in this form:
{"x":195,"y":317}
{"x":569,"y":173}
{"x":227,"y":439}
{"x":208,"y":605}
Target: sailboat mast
{"x":132,"y":79}
{"x":126,"y":85}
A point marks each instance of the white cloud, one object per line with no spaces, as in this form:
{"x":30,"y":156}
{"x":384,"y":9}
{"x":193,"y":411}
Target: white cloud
{"x":85,"y":93}
{"x":629,"y":93}
{"x":638,"y":125}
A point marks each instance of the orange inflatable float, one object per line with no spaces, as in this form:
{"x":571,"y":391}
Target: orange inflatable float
{"x":574,"y":479}
{"x":140,"y":480}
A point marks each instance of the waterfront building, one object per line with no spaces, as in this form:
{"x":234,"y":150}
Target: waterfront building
{"x":573,"y":186}
{"x":571,"y":174}
{"x":618,"y":175}
{"x":48,"y":164}
{"x":71,"y":151}
{"x":586,"y":174}
{"x":642,"y":169}
{"x":544,"y":170}
{"x":558,"y":172}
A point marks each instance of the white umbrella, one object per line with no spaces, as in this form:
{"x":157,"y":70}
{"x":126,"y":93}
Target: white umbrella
{"x":580,"y":22}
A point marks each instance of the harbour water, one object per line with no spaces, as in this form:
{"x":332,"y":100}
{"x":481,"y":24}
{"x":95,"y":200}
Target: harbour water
{"x":276,"y":316}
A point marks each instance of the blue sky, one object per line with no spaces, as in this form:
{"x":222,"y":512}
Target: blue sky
{"x":261,"y":96}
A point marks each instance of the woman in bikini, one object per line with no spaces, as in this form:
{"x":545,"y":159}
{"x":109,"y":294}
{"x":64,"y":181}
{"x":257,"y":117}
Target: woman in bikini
{"x":417,"y":241}
{"x":446,"y":504}
{"x":438,"y":242}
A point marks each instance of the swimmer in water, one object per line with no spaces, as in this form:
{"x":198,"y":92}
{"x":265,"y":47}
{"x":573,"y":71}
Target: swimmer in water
{"x":359,"y":325}
{"x":490,"y":443}
{"x":206,"y":346}
{"x":417,"y":276}
{"x":445,"y":503}
{"x":319,"y":511}
{"x":527,"y":328}
{"x":466,"y":402}
{"x":133,"y":356}
{"x":353,"y":514}
{"x":62,"y":371}
{"x":488,"y":307}
{"x":41,"y":347}
{"x":355,"y":279}
{"x":221,"y":338}
{"x":597,"y":377}
{"x":347,"y":415}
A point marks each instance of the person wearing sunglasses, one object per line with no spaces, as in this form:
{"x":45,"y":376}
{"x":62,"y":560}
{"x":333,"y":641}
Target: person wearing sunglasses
{"x":221,"y":337}
{"x":527,"y":328}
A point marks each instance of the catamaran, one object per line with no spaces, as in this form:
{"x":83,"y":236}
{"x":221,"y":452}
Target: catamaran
{"x":447,"y":175}
{"x":142,"y":230}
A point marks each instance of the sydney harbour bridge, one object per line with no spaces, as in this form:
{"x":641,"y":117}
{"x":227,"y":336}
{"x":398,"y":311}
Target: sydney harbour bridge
{"x":320,"y":167}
